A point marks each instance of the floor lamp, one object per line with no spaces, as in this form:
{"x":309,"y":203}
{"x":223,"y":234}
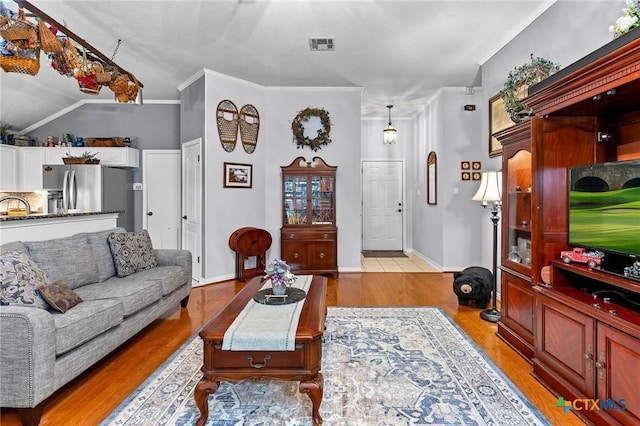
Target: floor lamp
{"x":490,"y":194}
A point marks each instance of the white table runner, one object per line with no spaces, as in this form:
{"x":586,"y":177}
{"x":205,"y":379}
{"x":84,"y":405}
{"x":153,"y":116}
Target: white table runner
{"x":262,"y":327}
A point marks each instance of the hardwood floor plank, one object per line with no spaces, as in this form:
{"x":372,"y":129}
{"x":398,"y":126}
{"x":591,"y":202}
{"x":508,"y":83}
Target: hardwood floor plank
{"x":91,"y":397}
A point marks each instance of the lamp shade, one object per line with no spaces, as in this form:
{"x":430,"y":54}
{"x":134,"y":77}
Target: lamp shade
{"x":490,"y":187}
{"x":389,"y":135}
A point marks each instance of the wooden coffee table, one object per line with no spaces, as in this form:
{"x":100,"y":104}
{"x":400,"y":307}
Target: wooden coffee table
{"x":302,"y":364}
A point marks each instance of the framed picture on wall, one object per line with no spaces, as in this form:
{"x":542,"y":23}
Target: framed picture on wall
{"x":498,"y":120}
{"x":238,"y":175}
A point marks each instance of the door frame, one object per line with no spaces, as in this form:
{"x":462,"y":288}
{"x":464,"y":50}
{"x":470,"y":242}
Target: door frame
{"x":403,"y":192}
{"x":196,"y":275}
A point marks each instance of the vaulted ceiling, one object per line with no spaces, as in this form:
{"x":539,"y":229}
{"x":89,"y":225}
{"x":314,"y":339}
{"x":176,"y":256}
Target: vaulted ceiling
{"x":399,"y":52}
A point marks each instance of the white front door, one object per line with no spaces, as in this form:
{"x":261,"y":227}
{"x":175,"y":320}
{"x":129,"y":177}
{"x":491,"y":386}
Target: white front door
{"x":161,"y":201}
{"x":382,"y":206}
{"x":192,"y":203}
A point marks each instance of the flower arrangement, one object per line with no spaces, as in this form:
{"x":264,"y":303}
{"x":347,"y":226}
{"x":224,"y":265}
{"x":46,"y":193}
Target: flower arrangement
{"x":628,"y":21}
{"x":279,"y":273}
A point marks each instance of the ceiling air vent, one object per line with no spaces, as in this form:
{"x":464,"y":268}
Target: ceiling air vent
{"x":321,"y":44}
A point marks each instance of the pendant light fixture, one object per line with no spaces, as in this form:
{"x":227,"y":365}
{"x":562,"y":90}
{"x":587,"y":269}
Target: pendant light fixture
{"x":389,"y":132}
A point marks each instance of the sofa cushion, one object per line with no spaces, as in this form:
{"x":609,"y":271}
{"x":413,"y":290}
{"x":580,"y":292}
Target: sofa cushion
{"x":132,"y":252}
{"x":17,"y":246}
{"x":59,"y":296}
{"x":67,"y":259}
{"x":84,"y":322}
{"x":134,"y":294}
{"x":20,"y":277}
{"x":170,"y":277}
{"x":102,"y":252}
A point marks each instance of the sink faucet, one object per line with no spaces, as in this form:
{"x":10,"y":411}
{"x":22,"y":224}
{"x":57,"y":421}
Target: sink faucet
{"x":15,"y":197}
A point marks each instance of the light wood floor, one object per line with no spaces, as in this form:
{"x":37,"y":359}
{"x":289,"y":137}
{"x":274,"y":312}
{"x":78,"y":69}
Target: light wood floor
{"x":411,"y":263}
{"x":93,"y":395}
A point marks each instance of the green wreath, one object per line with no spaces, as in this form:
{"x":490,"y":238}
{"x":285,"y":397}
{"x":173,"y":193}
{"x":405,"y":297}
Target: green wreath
{"x":524,"y":76}
{"x":323,"y":133}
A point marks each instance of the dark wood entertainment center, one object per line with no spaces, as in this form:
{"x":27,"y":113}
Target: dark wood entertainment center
{"x":583,"y":346}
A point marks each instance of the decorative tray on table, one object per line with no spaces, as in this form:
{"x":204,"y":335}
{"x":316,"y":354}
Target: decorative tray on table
{"x":292,"y":295}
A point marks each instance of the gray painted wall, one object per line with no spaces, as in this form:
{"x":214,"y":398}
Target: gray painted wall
{"x":157,"y":126}
{"x":192,"y":111}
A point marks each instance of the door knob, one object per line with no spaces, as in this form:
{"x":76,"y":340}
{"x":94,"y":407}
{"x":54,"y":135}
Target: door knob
{"x":399,"y":210}
{"x":150,"y":214}
{"x":184,"y":217}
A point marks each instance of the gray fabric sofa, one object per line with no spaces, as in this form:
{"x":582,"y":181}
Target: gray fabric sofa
{"x":42,"y":350}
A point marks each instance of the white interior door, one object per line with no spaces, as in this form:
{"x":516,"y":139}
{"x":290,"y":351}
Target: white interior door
{"x":382,"y":205}
{"x":161,"y":196}
{"x":192,"y":203}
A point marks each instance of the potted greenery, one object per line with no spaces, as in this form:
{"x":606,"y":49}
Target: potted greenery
{"x":519,"y":80}
{"x":4,"y":129}
{"x":86,"y":158}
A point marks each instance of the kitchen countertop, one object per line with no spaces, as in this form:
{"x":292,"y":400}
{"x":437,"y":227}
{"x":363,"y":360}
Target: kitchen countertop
{"x":6,"y":218}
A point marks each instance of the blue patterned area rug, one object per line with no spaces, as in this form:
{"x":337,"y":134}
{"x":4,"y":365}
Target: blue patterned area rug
{"x":381,"y":366}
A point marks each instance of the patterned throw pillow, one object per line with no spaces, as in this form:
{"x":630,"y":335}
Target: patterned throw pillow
{"x":59,"y":296}
{"x":20,"y":277}
{"x":132,"y":252}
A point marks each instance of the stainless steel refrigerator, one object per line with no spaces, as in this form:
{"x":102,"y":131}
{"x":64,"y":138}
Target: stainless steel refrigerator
{"x":92,"y":188}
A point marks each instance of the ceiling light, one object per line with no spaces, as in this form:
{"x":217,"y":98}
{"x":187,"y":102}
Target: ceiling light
{"x":389,"y":132}
{"x":321,"y":44}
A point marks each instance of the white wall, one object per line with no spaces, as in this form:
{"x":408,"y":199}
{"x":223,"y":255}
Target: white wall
{"x":447,"y":234}
{"x":343,"y":106}
{"x":373,"y":149}
{"x":227,"y":209}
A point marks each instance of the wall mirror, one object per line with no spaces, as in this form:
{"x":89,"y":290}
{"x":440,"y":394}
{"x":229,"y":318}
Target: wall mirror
{"x":432,"y":178}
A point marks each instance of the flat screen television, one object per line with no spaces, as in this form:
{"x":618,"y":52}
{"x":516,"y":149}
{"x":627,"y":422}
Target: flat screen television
{"x":604,"y":207}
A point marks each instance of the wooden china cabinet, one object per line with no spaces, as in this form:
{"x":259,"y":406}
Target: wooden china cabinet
{"x":516,"y":292}
{"x":309,"y":235}
{"x":585,"y":346}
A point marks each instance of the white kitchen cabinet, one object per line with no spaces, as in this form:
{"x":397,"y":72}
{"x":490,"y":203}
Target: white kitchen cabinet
{"x":21,"y":166}
{"x":30,"y":161}
{"x":8,"y":168}
{"x":118,"y":157}
{"x":109,"y":156}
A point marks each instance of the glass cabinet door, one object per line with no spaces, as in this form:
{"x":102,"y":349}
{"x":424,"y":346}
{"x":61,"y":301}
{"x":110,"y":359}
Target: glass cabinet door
{"x":519,"y":209}
{"x":295,"y":200}
{"x":322,"y":200}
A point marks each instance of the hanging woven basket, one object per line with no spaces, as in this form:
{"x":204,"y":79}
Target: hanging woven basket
{"x":48,"y":41}
{"x":18,"y":29}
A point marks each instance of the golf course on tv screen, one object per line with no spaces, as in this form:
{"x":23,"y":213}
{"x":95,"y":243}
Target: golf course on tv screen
{"x":608,"y":220}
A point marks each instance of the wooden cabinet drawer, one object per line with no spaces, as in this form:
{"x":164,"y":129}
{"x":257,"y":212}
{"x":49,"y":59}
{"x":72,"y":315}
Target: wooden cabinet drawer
{"x":309,"y":235}
{"x":258,"y":359}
